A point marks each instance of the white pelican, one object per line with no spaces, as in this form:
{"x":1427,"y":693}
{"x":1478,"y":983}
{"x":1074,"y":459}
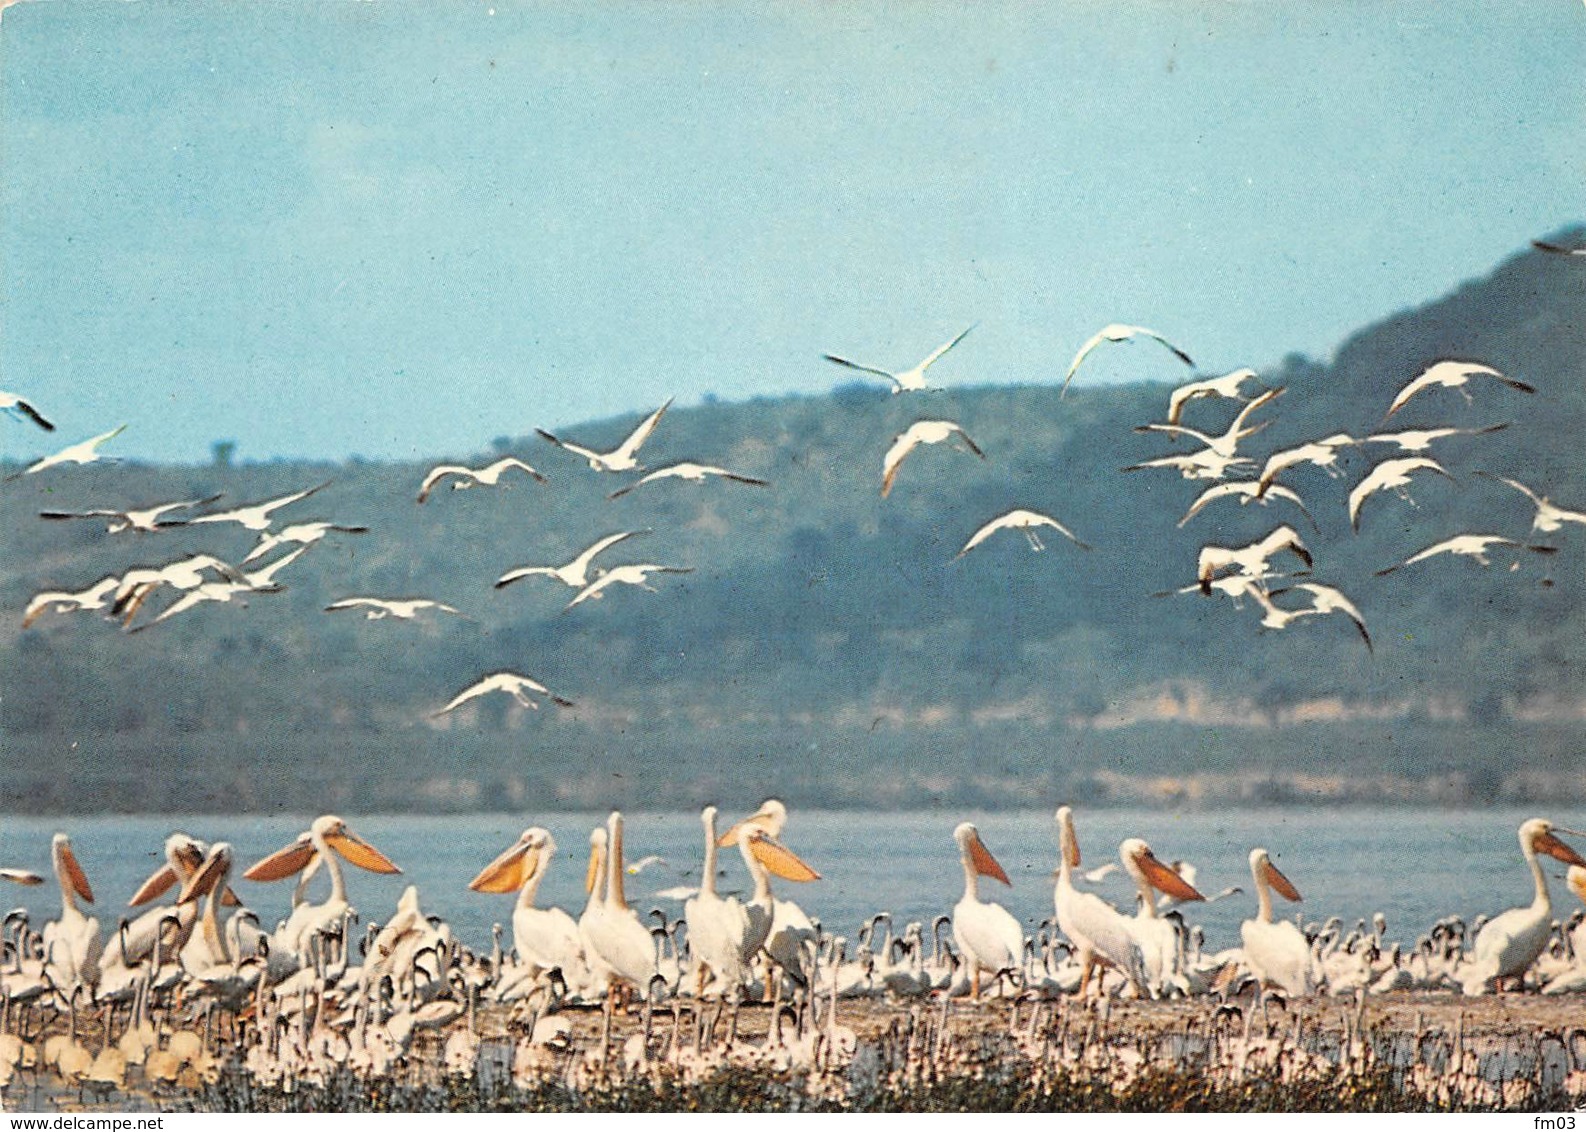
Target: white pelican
{"x":1549,"y":516}
{"x":1158,"y":942}
{"x":17,"y":406}
{"x":1393,"y":474}
{"x":1451,"y":375}
{"x":712,"y":927}
{"x":987,"y":935}
{"x":691,"y":473}
{"x":1202,"y":464}
{"x":1472,"y":546}
{"x":304,"y":534}
{"x":1323,"y":453}
{"x":1324,"y":599}
{"x":137,"y":519}
{"x":256,"y":516}
{"x":188,"y":573}
{"x":908,"y":380}
{"x":1252,"y":559}
{"x":791,"y":928}
{"x":1226,"y":443}
{"x":1510,"y":942}
{"x":1118,"y":332}
{"x":96,"y":596}
{"x":595,"y":904}
{"x":636,"y":574}
{"x":920,"y":432}
{"x":72,"y":944}
{"x":327,"y":841}
{"x":207,"y":955}
{"x":622,"y":458}
{"x":1420,"y":439}
{"x":169,"y":924}
{"x":1020,"y":519}
{"x":546,"y":938}
{"x":467,"y":477}
{"x":1099,"y":932}
{"x":516,"y":686}
{"x":1275,"y":950}
{"x":379,"y":608}
{"x":1227,"y":386}
{"x":574,"y":573}
{"x":1245,"y":491}
{"x":261,"y":580}
{"x":614,"y":933}
{"x":83,"y":452}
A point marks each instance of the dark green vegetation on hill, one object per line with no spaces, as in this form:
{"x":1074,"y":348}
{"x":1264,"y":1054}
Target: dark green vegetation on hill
{"x":827,"y":646}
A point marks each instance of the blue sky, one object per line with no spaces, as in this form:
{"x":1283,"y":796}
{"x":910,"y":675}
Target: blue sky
{"x":400,"y":229}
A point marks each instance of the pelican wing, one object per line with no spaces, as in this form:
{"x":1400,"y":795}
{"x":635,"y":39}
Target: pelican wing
{"x":439,"y":473}
{"x":630,"y":447}
{"x":940,"y":350}
{"x":863,"y":368}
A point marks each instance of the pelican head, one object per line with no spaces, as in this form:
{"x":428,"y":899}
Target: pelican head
{"x":1537,"y":836}
{"x":1143,"y":863}
{"x":523,"y":859}
{"x":974,"y":851}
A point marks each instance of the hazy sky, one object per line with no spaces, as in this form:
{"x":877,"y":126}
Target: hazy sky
{"x":400,"y":228}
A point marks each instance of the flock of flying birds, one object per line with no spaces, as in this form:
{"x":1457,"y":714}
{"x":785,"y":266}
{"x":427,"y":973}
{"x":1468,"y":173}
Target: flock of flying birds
{"x":1219,"y":456}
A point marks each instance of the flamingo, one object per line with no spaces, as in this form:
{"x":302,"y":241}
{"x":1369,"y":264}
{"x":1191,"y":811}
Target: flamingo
{"x":72,"y":944}
{"x":516,"y":686}
{"x":920,"y":432}
{"x":622,"y":458}
{"x":574,"y":573}
{"x":1393,"y":474}
{"x":1275,"y":950}
{"x":16,"y":405}
{"x":1020,"y":519}
{"x":489,"y":475}
{"x":83,"y":452}
{"x":1510,"y":942}
{"x":1471,"y":546}
{"x":908,"y":380}
{"x":1118,"y":332}
{"x":1098,"y":930}
{"x":1451,"y":375}
{"x":691,"y":473}
{"x":256,"y":516}
{"x":134,"y":519}
{"x":986,"y":933}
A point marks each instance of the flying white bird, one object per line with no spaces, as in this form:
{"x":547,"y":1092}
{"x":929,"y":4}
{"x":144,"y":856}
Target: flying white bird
{"x":303,"y":533}
{"x":1556,"y":249}
{"x":261,"y":580}
{"x":83,"y":452}
{"x":1451,"y":375}
{"x":908,"y":380}
{"x":634,"y":575}
{"x":1420,"y":439}
{"x":1021,"y":520}
{"x":17,"y":406}
{"x":1324,"y":599}
{"x":622,"y":458}
{"x":516,"y":686}
{"x":1323,"y":453}
{"x":1252,"y":559}
{"x":378,"y":608}
{"x":1227,"y":386}
{"x":142,"y":519}
{"x":184,"y":574}
{"x":1118,"y":332}
{"x":1227,"y":443}
{"x":96,"y":596}
{"x":468,"y":477}
{"x":1471,"y":546}
{"x":575,"y":573}
{"x":1205,"y":464}
{"x":256,"y":516}
{"x":1549,"y":516}
{"x":920,"y":432}
{"x":693,"y":473}
{"x":1244,"y":491}
{"x":1393,"y":474}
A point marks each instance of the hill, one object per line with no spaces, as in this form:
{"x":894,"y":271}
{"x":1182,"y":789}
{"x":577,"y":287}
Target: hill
{"x":828,"y":644}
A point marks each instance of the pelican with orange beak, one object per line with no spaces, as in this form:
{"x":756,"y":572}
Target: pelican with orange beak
{"x":545,"y":938}
{"x":72,"y":944}
{"x":1098,"y":930}
{"x":791,"y":928}
{"x":1510,"y":942}
{"x":987,"y":934}
{"x":1155,"y":936}
{"x":1276,"y":951}
{"x":328,"y":841}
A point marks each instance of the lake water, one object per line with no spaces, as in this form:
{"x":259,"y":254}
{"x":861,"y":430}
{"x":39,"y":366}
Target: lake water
{"x":1413,"y":866}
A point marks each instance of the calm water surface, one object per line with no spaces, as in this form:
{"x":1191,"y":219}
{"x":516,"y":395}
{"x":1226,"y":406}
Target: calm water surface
{"x":1413,"y":866}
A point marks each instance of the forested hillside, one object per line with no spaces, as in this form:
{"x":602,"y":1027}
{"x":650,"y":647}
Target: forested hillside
{"x":828,"y":644}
